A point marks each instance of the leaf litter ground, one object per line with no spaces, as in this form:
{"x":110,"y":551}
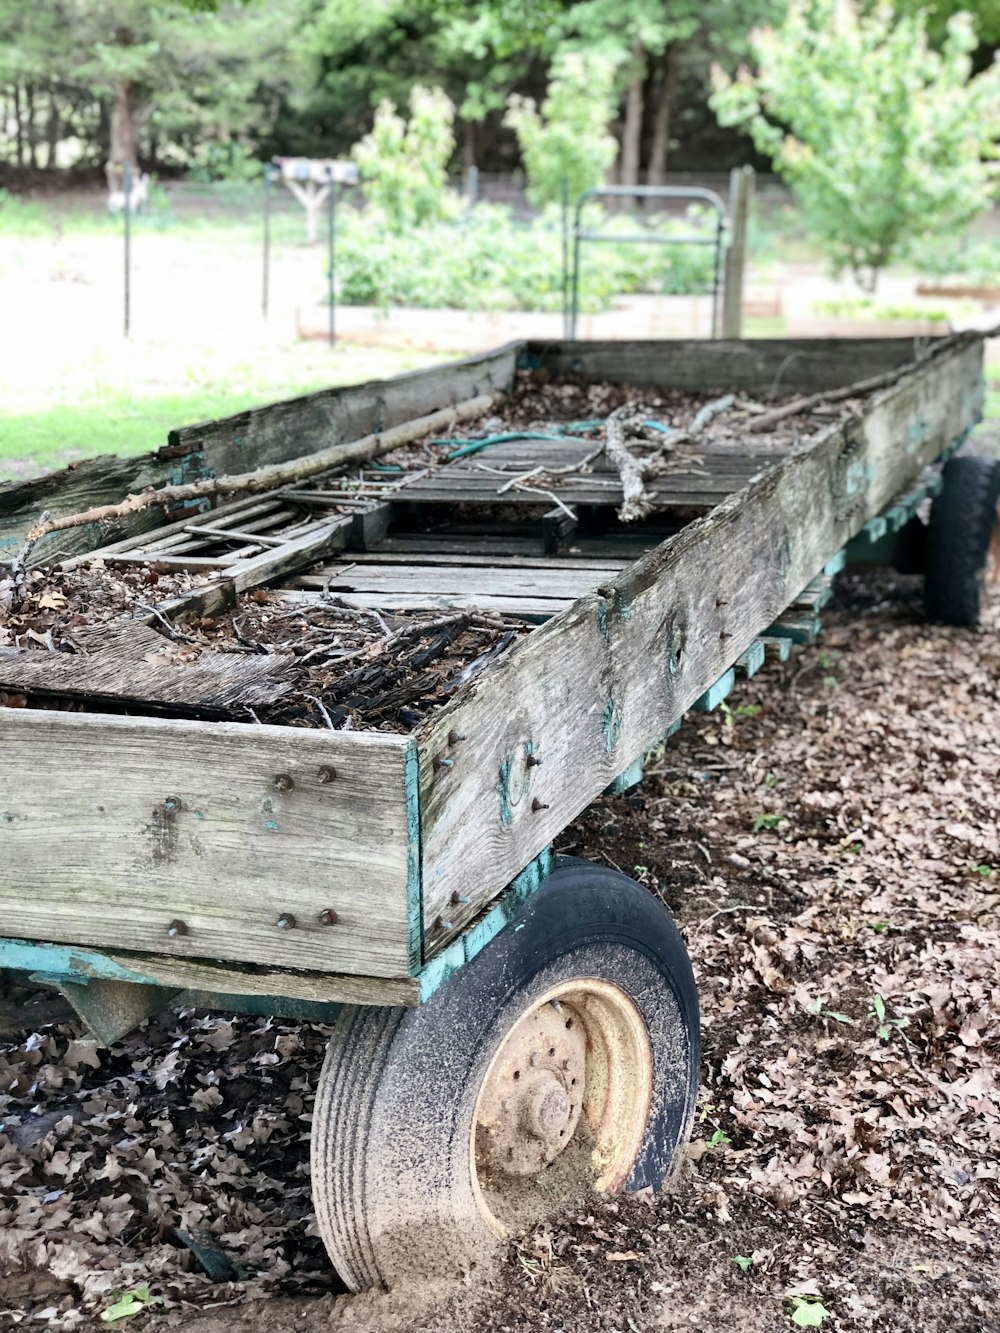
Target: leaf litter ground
{"x":830,"y":838}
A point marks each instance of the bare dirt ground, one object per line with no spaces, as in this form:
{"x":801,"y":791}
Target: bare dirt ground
{"x":829,"y":846}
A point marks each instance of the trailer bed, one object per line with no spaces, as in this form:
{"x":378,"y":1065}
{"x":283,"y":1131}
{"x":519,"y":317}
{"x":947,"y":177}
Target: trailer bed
{"x":320,"y":861}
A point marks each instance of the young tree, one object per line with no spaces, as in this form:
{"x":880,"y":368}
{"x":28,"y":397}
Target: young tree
{"x":881,"y":138}
{"x":404,"y":167}
{"x":569,"y":139}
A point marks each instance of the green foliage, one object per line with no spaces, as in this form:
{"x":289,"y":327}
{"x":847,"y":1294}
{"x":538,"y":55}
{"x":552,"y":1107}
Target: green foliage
{"x":489,"y":261}
{"x":807,"y":1310}
{"x":884,"y":1025}
{"x":743,"y":1262}
{"x":820,"y":1009}
{"x":125,"y":1304}
{"x":568,"y":140}
{"x":404,"y":166}
{"x":881,"y":138}
{"x":768,"y":823}
{"x":719,"y":1139}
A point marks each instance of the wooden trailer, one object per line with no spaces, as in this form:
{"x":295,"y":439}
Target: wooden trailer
{"x":508,"y":1025}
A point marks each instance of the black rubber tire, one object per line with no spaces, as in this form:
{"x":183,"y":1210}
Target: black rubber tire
{"x":958,"y":538}
{"x":391,"y":1165}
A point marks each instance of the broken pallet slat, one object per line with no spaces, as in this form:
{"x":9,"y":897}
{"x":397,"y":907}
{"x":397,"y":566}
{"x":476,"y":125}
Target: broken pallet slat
{"x":802,"y":628}
{"x":776,"y":649}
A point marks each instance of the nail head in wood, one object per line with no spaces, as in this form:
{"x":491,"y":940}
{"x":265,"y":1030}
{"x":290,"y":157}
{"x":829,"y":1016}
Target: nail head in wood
{"x":457,"y":900}
{"x":439,"y":762}
{"x":283,"y":782}
{"x":454,"y":737}
{"x":327,"y":774}
{"x":328,"y":917}
{"x":286,"y":921}
{"x":172,"y":804}
{"x":533,"y":761}
{"x":176,"y":928}
{"x":537,"y":805}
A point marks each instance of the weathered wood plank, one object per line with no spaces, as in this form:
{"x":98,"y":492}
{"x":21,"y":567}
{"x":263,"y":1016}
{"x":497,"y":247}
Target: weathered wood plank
{"x":573,"y":694}
{"x":454,"y":580}
{"x":802,"y":364}
{"x":128,"y":661}
{"x":526,"y":608}
{"x":119,"y":826}
{"x":299,"y":426}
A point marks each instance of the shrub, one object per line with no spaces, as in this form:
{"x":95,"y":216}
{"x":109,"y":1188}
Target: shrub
{"x":881,"y":139}
{"x":404,"y":166}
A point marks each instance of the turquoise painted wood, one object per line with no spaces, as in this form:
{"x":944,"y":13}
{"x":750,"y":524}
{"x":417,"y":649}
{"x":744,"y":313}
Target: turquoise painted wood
{"x":778,"y":648}
{"x":835,"y":564}
{"x":715,"y":694}
{"x":876,"y":527}
{"x":799,"y":629}
{"x":625,"y":781}
{"x":750,"y":662}
{"x":463,"y":949}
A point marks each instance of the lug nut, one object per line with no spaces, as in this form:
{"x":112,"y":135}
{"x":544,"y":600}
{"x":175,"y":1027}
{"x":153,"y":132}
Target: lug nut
{"x":286,"y":921}
{"x":283,"y":782}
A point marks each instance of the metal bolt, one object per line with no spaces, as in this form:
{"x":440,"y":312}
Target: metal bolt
{"x":533,"y":761}
{"x":176,"y":928}
{"x":283,"y":782}
{"x":441,"y":924}
{"x":327,"y":774}
{"x":457,"y":900}
{"x":328,"y":917}
{"x":172,"y":804}
{"x":454,"y":737}
{"x":286,"y":921}
{"x":537,"y":805}
{"x":439,"y":762}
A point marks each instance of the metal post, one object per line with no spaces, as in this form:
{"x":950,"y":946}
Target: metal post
{"x":265,"y":282}
{"x":329,"y":249}
{"x":472,"y":186}
{"x":127,"y":184}
{"x":564,"y":191}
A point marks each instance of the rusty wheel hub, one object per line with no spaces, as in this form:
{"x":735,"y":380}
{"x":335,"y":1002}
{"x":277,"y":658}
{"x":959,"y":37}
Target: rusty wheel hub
{"x":574,"y":1071}
{"x":531,"y":1104}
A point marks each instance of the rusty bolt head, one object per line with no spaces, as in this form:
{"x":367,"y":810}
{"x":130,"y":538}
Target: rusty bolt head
{"x":172,"y":804}
{"x":286,"y":921}
{"x":441,"y":924}
{"x":457,"y":900}
{"x":439,"y":762}
{"x":283,"y":782}
{"x":454,"y":737}
{"x":327,"y":774}
{"x":537,"y":805}
{"x":176,"y":928}
{"x":328,"y":917}
{"x":533,"y":761}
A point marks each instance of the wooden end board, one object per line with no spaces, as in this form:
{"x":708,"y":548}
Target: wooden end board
{"x":588,"y":692}
{"x":119,"y":826}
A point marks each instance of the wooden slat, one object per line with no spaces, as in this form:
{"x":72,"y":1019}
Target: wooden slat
{"x":299,"y":426}
{"x":524,"y":608}
{"x":453,"y":580}
{"x":589,"y":691}
{"x":804,"y":365}
{"x":381,"y":556}
{"x":118,"y":826}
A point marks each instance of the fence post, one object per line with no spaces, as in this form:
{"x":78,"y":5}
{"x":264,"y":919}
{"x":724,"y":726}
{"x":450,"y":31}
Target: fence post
{"x":330,"y":234}
{"x":741,"y":181}
{"x":266,"y":273}
{"x":127,"y":213}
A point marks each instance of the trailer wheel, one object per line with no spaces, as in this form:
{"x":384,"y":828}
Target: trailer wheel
{"x":963,"y":541}
{"x":563,"y":1057}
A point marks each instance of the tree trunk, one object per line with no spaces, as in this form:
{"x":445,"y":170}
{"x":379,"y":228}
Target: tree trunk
{"x":469,"y":144}
{"x":20,"y":125}
{"x":52,"y":128}
{"x":123,"y":140}
{"x":661,"y":123}
{"x":632,"y":131}
{"x":29,"y":99}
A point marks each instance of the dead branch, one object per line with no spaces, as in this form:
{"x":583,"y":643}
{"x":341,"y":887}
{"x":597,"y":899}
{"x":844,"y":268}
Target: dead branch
{"x":277,"y":474}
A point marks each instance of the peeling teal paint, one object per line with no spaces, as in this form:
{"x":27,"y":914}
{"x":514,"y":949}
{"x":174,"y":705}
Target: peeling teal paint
{"x":602,"y":617}
{"x":414,"y":857}
{"x":503,"y":790}
{"x":752,"y":660}
{"x":835,"y":564}
{"x":66,"y":962}
{"x":611,"y":725}
{"x":858,"y":477}
{"x":916,"y":434}
{"x":876,"y":527}
{"x":271,"y":825}
{"x":486,"y":927}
